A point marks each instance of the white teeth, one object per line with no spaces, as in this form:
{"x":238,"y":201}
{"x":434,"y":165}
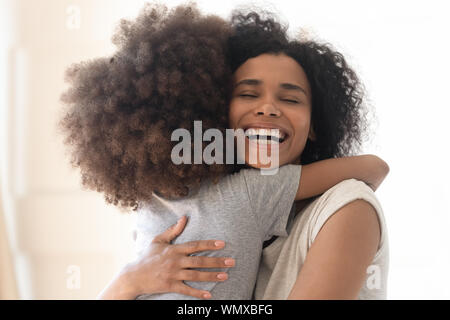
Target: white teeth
{"x":264,"y":141}
{"x":265,"y":132}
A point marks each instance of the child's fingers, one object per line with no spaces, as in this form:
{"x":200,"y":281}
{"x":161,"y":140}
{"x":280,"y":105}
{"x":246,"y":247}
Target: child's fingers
{"x":173,"y":232}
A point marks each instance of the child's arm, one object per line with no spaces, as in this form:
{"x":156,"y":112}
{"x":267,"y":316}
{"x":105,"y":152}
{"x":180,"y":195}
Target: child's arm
{"x":318,"y":177}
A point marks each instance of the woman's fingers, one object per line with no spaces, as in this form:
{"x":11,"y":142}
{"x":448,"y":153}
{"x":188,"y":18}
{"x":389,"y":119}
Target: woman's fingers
{"x":180,"y":287}
{"x":198,"y":246}
{"x":206,"y":262}
{"x":173,"y":232}
{"x":179,"y":256}
{"x":193,"y":275}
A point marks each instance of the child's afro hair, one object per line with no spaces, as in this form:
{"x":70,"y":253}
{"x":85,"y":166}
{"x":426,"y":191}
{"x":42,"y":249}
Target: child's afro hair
{"x":120,"y":111}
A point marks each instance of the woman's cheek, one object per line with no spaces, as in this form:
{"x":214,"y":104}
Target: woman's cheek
{"x":236,"y":113}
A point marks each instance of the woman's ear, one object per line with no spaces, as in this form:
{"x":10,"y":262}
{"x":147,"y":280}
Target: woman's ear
{"x":312,"y":134}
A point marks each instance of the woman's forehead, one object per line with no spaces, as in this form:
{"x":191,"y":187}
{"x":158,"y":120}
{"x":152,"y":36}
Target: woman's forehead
{"x":270,"y":69}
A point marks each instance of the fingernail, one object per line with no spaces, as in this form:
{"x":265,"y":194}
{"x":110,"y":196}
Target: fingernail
{"x":219,"y":243}
{"x":222,"y":276}
{"x":229,"y":262}
{"x":207,"y":295}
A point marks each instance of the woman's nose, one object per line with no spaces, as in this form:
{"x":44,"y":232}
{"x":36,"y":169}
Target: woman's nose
{"x":268,"y":109}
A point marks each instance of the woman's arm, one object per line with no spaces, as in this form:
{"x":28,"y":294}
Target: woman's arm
{"x":318,"y":177}
{"x":336,"y":264}
{"x":163,"y":267}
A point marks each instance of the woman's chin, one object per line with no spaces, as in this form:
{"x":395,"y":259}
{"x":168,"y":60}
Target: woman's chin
{"x":259,"y":166}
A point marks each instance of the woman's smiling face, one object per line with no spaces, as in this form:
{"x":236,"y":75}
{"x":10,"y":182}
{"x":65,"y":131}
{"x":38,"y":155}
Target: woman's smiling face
{"x":272,"y":91}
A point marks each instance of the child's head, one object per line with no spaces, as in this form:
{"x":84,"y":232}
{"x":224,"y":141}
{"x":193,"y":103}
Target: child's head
{"x":169,"y":70}
{"x":322,"y":116}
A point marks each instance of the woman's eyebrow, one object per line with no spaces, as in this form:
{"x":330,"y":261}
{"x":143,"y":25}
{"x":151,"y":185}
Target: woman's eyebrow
{"x":256,"y":82}
{"x":290,"y":86}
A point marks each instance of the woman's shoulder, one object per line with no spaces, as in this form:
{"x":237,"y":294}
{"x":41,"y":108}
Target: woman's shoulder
{"x":317,"y":214}
{"x":292,"y":250}
{"x":343,"y":193}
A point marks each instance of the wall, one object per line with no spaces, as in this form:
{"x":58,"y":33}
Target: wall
{"x":67,"y":243}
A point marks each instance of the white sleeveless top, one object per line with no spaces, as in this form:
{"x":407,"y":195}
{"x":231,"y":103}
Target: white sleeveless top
{"x":283,"y":259}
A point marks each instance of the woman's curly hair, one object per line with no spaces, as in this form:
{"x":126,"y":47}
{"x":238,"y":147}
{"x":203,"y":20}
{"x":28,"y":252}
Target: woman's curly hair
{"x":169,"y":70}
{"x":339,"y":112}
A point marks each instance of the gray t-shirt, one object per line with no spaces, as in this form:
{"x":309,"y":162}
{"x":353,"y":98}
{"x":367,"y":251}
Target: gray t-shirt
{"x":243,"y":209}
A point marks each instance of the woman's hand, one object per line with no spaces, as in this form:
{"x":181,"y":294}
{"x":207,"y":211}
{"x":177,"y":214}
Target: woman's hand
{"x":163,"y":267}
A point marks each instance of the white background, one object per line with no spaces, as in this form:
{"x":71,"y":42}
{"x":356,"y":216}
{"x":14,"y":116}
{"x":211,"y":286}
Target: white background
{"x":401,"y":51}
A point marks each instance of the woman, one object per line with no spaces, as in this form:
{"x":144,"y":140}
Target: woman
{"x":337,"y":243}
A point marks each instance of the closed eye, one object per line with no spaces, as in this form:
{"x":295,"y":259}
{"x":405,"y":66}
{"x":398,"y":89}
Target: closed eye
{"x":290,"y":101}
{"x":253,"y":96}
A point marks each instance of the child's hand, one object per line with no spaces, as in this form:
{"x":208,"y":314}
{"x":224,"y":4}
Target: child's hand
{"x":163,"y":267}
{"x":377,"y":172}
{"x":319,"y":176}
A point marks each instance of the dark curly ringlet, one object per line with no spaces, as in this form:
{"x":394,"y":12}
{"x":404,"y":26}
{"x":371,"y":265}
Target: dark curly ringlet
{"x":169,"y":70}
{"x":339,"y":110}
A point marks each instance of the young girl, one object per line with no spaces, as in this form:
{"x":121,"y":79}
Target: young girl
{"x":170,"y":70}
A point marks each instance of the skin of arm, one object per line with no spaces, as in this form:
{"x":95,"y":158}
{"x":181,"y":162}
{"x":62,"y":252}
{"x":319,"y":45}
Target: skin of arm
{"x":318,"y":177}
{"x":336,"y":264}
{"x":119,"y":288}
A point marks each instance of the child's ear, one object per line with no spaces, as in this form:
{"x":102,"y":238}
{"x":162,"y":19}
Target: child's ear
{"x":312,"y":134}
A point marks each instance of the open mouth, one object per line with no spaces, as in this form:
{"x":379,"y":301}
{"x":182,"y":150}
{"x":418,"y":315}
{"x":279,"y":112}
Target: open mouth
{"x":265,"y":136}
